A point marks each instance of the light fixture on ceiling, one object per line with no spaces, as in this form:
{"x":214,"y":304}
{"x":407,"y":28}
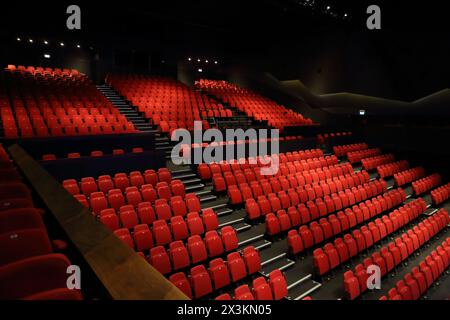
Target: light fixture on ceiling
{"x":200,"y":70}
{"x":61,"y":44}
{"x":47,"y":56}
{"x":45,"y":42}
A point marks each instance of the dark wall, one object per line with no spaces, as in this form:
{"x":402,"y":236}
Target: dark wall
{"x":32,"y":54}
{"x":266,"y":85}
{"x":95,"y":62}
{"x":395,"y":65}
{"x":406,"y":60}
{"x":422,"y":141}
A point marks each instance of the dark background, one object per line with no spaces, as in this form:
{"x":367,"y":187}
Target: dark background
{"x":406,"y":60}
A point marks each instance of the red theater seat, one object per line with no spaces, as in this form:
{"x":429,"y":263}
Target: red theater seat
{"x":116,"y":199}
{"x":219,"y":273}
{"x":105,"y":184}
{"x":161,"y":232}
{"x":33,"y":277}
{"x":278,"y":284}
{"x":111,"y":221}
{"x":160,"y":260}
{"x":179,"y":255}
{"x":213,"y":244}
{"x":229,"y":238}
{"x":20,"y":219}
{"x":243,"y":293}
{"x":261,"y":289}
{"x":21,"y":244}
{"x":195,"y":224}
{"x":143,"y":237}
{"x":88,"y":186}
{"x":197,"y":249}
{"x":181,"y":282}
{"x":224,"y":296}
{"x":146,"y":213}
{"x":210,"y":219}
{"x":71,"y":186}
{"x":162,"y":209}
{"x":128,"y":218}
{"x":98,"y":202}
{"x":351,"y":285}
{"x":178,"y":206}
{"x":201,"y":281}
{"x":237,"y":266}
{"x":252,"y":260}
{"x":192,"y":203}
{"x":179,"y":228}
{"x":125,"y":236}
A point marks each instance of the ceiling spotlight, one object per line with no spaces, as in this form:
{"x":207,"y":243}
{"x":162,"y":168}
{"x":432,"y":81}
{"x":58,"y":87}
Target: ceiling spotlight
{"x":362,"y":112}
{"x":206,"y":61}
{"x":189,"y":59}
{"x":30,"y":40}
{"x":345,"y":15}
{"x":198,"y":60}
{"x":45,"y":42}
{"x":328,"y":7}
{"x":78,"y":46}
{"x":18,"y":39}
{"x":215,"y":62}
{"x":200,"y":70}
{"x":61,"y":44}
{"x":47,"y":56}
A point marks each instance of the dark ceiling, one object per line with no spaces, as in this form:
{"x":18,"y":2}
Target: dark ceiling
{"x":234,"y":26}
{"x":292,"y":39}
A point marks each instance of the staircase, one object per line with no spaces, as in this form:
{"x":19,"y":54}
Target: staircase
{"x":239,"y":119}
{"x":162,"y":142}
{"x":127,"y":109}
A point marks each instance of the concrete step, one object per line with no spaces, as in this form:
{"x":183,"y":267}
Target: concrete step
{"x":129,"y":111}
{"x":169,"y":148}
{"x":143,"y":129}
{"x":206,"y":198}
{"x":182,"y":171}
{"x":204,"y":193}
{"x":137,"y":119}
{"x":114,"y":97}
{"x":144,"y":126}
{"x":146,"y":130}
{"x":192,"y":181}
